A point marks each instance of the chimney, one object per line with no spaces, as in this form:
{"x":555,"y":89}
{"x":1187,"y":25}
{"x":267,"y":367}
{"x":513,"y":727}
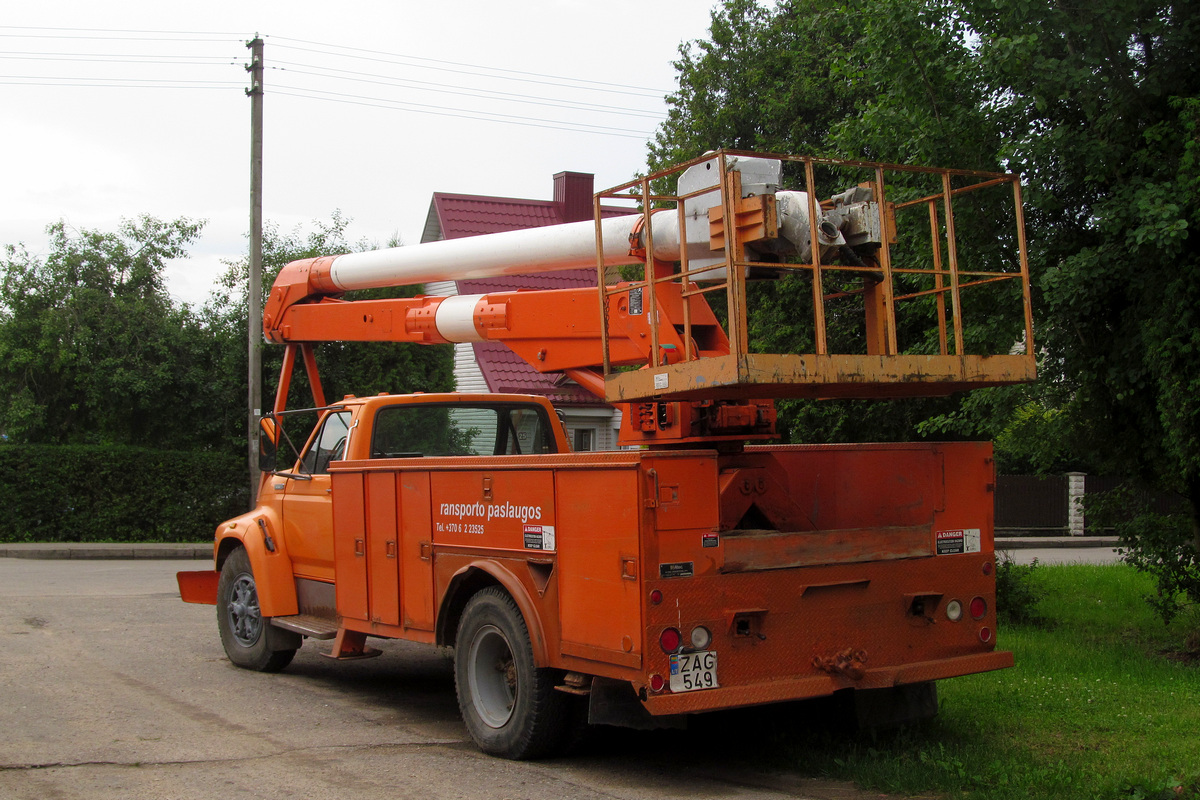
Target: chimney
{"x":573,"y":195}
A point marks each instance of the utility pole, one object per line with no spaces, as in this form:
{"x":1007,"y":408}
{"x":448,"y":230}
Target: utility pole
{"x":254,"y":291}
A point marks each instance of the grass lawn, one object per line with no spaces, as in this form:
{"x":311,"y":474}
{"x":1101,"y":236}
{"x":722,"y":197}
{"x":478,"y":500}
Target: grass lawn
{"x":1093,"y":708}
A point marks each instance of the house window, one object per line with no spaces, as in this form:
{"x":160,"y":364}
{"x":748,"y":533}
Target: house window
{"x":585,"y":440}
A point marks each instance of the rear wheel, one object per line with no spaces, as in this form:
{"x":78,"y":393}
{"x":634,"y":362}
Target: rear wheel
{"x":509,"y":705}
{"x":247,"y":636}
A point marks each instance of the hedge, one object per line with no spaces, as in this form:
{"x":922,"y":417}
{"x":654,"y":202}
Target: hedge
{"x":84,"y":493}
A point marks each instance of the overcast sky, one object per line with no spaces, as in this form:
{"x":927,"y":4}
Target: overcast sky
{"x":115,"y":110}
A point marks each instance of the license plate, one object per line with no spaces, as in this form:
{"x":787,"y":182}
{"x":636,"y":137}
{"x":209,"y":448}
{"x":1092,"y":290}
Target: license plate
{"x":692,"y":671}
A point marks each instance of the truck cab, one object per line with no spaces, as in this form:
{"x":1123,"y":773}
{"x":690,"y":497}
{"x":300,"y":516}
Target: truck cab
{"x":423,"y":425}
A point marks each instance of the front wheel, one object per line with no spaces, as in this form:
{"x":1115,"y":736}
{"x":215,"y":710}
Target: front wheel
{"x":509,"y":705}
{"x":248,"y":637}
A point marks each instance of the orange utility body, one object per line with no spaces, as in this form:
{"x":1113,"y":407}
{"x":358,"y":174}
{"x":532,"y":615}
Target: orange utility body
{"x":772,"y":572}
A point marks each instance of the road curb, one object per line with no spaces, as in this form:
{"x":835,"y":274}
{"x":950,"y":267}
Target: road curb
{"x":1054,"y":542}
{"x":106,"y":550}
{"x":160,"y":550}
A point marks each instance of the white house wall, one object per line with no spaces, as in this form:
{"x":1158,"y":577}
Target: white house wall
{"x":468,"y":377}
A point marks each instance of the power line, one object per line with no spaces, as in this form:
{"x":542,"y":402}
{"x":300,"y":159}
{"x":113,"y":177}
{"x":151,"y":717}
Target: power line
{"x":462,"y":64}
{"x":113,"y":38}
{"x":392,"y":106}
{"x":553,"y":80}
{"x":332,"y":97}
{"x":323,"y":72}
{"x":302,"y":68}
{"x":108,"y":30}
{"x":407,"y":105}
{"x":41,"y":55}
{"x":213,"y":61}
{"x":106,"y":34}
{"x":427,"y":86}
{"x":116,"y":83}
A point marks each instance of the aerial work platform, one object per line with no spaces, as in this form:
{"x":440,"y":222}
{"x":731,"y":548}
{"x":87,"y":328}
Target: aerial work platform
{"x":900,"y":282}
{"x":896,"y":300}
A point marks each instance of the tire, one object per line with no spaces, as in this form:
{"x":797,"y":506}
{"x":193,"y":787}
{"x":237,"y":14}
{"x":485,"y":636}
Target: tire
{"x":510,"y":706}
{"x":248,"y":638}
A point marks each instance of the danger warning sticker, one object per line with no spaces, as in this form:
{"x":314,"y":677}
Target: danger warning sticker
{"x":539,"y":537}
{"x":966,"y":540}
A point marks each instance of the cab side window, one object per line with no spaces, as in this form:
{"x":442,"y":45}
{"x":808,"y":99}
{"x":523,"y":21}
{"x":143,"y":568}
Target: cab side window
{"x":329,"y":445}
{"x":525,"y":431}
{"x":414,"y":430}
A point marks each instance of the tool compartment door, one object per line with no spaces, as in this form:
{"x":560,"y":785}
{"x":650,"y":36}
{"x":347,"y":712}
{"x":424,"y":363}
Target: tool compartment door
{"x":350,"y":544}
{"x":366,"y":547}
{"x":599,"y":565}
{"x":383,"y":548}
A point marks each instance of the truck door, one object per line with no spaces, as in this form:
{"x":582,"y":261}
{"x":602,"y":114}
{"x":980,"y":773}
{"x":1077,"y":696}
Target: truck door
{"x":307,"y":505}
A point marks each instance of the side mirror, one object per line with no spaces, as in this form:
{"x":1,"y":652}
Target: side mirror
{"x":268,"y":441}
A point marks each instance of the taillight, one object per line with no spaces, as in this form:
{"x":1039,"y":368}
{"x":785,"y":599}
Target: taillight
{"x":670,"y":639}
{"x":978,"y":608}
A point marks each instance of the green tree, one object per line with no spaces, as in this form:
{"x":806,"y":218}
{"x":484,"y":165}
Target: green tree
{"x":346,"y":367}
{"x":764,"y":80}
{"x":890,"y":80}
{"x":92,"y":350}
{"x":1100,"y":103}
{"x":1097,"y":105}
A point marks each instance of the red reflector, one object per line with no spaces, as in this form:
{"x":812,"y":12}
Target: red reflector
{"x":978,"y":608}
{"x":670,"y":640}
{"x":987,"y":567}
{"x":985,"y":635}
{"x":657,"y":683}
{"x":656,"y":597}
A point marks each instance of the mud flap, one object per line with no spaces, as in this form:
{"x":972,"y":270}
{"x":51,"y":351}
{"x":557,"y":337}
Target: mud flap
{"x":895,"y":707}
{"x":613,"y":702}
{"x":198,"y":587}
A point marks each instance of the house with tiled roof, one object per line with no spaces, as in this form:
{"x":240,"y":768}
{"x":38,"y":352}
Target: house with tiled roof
{"x":490,"y":366}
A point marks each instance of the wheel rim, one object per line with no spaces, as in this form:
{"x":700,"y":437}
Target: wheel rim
{"x":245,"y":620}
{"x":492,"y":676}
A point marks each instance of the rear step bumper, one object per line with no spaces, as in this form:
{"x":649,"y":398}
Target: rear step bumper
{"x":822,"y":685}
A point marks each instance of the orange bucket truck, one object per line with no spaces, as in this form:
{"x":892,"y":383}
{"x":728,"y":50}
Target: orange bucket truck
{"x":700,"y":566}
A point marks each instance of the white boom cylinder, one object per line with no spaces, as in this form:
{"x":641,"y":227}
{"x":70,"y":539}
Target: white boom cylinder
{"x":573,"y":245}
{"x":519,"y":252}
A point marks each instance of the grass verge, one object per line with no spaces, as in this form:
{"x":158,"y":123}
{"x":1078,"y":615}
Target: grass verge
{"x":1093,"y":709}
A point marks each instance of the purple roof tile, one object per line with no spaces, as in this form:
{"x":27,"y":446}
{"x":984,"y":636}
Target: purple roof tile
{"x":505,"y":371}
{"x":470,"y":215}
{"x":461,"y":215}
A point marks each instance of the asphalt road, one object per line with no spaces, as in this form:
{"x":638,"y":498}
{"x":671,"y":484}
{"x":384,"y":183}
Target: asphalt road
{"x":114,"y":689}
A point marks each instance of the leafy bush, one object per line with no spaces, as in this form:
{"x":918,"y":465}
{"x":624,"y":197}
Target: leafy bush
{"x":88,"y":493}
{"x":1017,"y":592}
{"x":1163,"y":545}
